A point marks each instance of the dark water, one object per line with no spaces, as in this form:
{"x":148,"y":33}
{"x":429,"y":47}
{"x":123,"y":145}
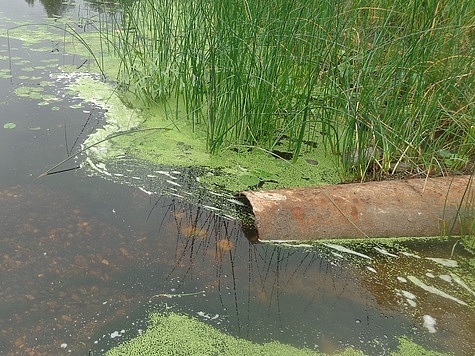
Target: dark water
{"x":83,"y":260}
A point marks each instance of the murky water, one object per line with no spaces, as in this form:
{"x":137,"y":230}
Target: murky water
{"x":83,"y":260}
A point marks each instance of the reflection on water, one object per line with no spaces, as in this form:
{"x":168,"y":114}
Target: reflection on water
{"x":70,"y":278}
{"x":83,"y":261}
{"x":82,"y":274}
{"x":53,"y":7}
{"x":56,"y":8}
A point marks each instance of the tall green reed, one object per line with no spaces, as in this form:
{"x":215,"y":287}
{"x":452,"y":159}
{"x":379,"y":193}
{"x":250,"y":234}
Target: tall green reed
{"x":388,"y":85}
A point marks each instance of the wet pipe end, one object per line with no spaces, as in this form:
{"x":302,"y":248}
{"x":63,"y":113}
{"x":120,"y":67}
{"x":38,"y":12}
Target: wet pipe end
{"x":248,"y":220}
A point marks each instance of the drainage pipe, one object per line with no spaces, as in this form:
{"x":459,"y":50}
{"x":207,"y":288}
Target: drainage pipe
{"x":397,"y":208}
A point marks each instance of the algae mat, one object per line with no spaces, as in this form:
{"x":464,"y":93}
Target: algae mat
{"x":160,"y":154}
{"x":177,"y":334}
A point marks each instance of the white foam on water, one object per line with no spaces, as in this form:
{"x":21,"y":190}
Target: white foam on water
{"x":407,"y":294}
{"x":337,"y":254}
{"x":146,"y":191}
{"x":446,"y":277}
{"x":117,"y":334}
{"x":409,"y":254}
{"x":235,"y":201}
{"x":100,"y":167}
{"x":346,"y":250}
{"x":177,"y":195}
{"x":411,"y":303}
{"x":174,"y":183}
{"x":443,"y":261}
{"x":434,"y":290}
{"x":207,"y":316}
{"x":460,"y":282}
{"x":371,"y":269}
{"x":429,"y":323}
{"x":165,"y":173}
{"x":385,"y":252}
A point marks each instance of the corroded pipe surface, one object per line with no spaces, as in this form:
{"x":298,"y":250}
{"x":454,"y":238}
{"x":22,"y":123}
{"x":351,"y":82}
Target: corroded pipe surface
{"x":412,"y":207}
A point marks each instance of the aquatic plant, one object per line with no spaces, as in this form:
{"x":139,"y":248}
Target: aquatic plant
{"x":387,"y":85}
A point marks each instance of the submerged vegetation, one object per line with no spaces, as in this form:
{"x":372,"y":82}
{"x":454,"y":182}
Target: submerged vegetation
{"x":388,"y":86}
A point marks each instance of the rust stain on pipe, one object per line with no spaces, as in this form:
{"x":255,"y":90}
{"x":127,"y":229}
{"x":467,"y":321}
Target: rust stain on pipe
{"x":412,"y":207}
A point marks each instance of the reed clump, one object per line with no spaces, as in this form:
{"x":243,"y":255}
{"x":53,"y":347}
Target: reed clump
{"x":387,"y":85}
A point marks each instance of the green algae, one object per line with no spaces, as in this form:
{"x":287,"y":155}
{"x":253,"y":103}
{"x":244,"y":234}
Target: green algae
{"x":5,"y":73}
{"x":233,"y":169}
{"x":119,"y":117}
{"x":181,"y":145}
{"x":51,"y":60}
{"x":29,"y":92}
{"x":408,"y":347}
{"x":176,"y":334}
{"x":29,"y":34}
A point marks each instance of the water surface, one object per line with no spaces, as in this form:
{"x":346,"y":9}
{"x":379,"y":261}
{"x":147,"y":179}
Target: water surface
{"x":83,"y":260}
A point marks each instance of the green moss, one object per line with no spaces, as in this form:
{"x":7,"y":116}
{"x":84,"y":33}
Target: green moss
{"x":176,"y":334}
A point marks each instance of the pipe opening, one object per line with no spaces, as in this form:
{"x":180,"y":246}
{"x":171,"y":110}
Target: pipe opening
{"x":248,"y":219}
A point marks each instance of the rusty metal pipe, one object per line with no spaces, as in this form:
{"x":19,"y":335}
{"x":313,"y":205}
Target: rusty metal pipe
{"x":412,"y":207}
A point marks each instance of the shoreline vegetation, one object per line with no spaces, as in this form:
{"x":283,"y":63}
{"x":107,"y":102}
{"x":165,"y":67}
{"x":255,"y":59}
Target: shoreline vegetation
{"x":387,"y":87}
